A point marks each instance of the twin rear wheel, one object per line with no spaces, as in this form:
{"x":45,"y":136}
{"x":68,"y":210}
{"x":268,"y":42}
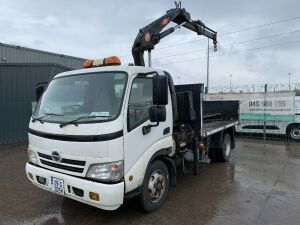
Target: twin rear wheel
{"x":222,"y":154}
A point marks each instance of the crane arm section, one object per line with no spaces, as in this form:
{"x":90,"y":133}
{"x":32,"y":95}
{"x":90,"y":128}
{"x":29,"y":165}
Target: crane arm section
{"x":151,"y":34}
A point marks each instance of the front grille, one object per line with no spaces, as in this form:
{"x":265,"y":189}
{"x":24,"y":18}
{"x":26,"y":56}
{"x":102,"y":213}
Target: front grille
{"x":60,"y":166}
{"x":63,"y":160}
{"x":63,"y":167}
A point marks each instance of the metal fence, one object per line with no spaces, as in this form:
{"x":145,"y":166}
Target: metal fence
{"x":17,"y":92}
{"x":272,"y":130}
{"x":254,"y":88}
{"x":267,"y":114}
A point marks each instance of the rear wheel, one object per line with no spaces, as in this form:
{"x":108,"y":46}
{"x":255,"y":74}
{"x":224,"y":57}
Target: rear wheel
{"x":294,"y":133}
{"x":155,"y":186}
{"x":222,"y":154}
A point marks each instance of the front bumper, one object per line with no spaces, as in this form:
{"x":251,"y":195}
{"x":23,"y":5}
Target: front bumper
{"x":111,"y":195}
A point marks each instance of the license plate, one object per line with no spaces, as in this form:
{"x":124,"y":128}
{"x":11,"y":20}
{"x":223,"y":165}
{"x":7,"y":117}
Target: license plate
{"x":57,"y":185}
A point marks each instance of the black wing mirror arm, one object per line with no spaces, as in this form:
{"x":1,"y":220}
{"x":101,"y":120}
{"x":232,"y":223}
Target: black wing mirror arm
{"x":147,"y":129}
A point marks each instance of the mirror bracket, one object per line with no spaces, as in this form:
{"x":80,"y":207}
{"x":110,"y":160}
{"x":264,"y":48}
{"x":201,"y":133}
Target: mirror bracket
{"x":39,"y":89}
{"x":147,"y":129}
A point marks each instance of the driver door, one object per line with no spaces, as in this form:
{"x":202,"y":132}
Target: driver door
{"x":135,"y":142}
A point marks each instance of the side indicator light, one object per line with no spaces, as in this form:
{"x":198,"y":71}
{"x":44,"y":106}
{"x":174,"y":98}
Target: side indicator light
{"x":94,"y":196}
{"x":130,"y":178}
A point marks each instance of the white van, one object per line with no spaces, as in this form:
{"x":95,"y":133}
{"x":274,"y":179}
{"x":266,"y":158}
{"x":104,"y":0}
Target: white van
{"x":280,"y":110}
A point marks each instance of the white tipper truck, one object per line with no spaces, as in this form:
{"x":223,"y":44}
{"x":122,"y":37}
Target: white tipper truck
{"x":109,"y":132}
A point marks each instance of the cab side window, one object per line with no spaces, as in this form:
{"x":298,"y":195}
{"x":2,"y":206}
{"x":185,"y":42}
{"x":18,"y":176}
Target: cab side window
{"x":140,"y":101}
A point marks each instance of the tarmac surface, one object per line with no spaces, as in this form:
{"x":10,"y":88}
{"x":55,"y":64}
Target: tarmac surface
{"x":259,"y":185}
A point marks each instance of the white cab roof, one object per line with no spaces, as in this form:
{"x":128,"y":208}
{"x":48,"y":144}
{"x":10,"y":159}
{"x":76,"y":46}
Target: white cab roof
{"x":131,"y":70}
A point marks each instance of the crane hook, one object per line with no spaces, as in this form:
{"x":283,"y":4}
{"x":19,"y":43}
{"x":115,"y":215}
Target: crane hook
{"x":215,"y":46}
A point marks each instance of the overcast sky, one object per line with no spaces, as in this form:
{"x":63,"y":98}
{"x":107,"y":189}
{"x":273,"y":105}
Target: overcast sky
{"x":92,"y":29}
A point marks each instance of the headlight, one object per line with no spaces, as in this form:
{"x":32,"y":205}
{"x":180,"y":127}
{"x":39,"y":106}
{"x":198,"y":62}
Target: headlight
{"x":107,"y":171}
{"x":32,"y":157}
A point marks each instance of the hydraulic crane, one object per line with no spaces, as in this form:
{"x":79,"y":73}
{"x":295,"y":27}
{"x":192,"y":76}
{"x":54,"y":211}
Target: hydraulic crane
{"x":109,"y":148}
{"x":151,"y":34}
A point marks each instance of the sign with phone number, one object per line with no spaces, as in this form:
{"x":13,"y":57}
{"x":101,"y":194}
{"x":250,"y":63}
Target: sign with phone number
{"x":269,"y":109}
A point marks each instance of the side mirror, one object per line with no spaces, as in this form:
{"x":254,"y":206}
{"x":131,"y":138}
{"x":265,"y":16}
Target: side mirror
{"x":157,"y":114}
{"x":40,"y":89}
{"x":160,"y":90}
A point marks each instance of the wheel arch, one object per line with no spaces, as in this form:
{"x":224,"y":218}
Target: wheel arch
{"x":290,"y":126}
{"x":162,"y":155}
{"x":216,"y":140}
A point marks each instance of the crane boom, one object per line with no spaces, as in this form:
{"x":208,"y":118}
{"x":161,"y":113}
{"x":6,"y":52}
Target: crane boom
{"x":151,"y":34}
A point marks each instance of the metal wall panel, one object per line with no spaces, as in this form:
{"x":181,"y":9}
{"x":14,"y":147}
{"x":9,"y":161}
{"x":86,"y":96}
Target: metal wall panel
{"x":17,"y":54}
{"x":17,"y":92}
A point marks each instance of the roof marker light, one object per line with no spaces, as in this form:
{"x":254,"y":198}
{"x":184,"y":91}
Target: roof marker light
{"x":108,"y":61}
{"x":88,"y":63}
{"x":112,"y":60}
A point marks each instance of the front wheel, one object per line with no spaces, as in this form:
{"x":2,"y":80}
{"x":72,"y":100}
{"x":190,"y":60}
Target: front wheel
{"x":155,"y":186}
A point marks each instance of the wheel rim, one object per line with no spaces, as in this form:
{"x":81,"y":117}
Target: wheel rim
{"x":156,"y":185}
{"x":227,"y":147}
{"x":295,"y":133}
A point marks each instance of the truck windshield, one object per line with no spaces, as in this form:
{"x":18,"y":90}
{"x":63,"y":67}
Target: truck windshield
{"x":87,"y":97}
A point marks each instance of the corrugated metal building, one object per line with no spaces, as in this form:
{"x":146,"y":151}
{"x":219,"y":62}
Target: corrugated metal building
{"x":18,"y":54}
{"x":17,"y":92}
{"x":20,"y":70}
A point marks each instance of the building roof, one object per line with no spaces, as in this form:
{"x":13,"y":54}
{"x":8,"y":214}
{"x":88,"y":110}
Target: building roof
{"x":17,"y":54}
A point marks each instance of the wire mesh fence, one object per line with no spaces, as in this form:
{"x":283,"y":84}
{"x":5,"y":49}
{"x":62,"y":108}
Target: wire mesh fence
{"x":255,"y":88}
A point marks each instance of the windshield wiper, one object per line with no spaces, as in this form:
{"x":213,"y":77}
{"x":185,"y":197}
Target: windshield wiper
{"x":79,"y":118}
{"x":41,"y":117}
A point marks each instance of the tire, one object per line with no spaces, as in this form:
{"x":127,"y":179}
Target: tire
{"x":153,"y":196}
{"x":222,"y":154}
{"x":294,"y":133}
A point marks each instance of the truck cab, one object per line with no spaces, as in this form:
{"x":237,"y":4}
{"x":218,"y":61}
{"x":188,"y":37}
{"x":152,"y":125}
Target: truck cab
{"x":86,"y":137}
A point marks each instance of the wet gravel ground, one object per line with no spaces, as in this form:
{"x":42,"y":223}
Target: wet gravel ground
{"x":260,"y":185}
